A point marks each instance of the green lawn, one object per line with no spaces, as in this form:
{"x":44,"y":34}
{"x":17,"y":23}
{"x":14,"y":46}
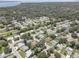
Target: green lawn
{"x":9,"y":33}
{"x":0,"y":50}
{"x":22,"y":53}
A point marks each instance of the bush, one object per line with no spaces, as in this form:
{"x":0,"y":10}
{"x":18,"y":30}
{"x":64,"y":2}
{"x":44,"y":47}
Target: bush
{"x":1,"y":26}
{"x":73,"y":23}
{"x":74,"y":35}
{"x":64,"y":52}
{"x":26,"y":36}
{"x":3,"y":43}
{"x":2,"y":38}
{"x":51,"y":50}
{"x":71,"y":30}
{"x":18,"y":28}
{"x":78,"y":31}
{"x":8,"y":34}
{"x":41,"y":44}
{"x":74,"y":28}
{"x":62,"y":40}
{"x":61,"y":30}
{"x":36,"y":50}
{"x":27,"y":43}
{"x":53,"y":36}
{"x":16,"y":39}
{"x":77,"y":46}
{"x":72,"y":44}
{"x":7,"y":50}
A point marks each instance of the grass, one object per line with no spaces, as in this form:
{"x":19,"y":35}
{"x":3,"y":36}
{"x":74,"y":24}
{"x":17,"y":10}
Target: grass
{"x":22,"y":53}
{"x":8,"y":33}
{"x":0,"y":50}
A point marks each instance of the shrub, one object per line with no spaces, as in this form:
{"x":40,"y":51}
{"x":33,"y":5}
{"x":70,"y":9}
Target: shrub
{"x":72,"y":44}
{"x":62,"y":40}
{"x":18,"y":28}
{"x":2,"y":38}
{"x":36,"y":50}
{"x":41,"y":44}
{"x":53,"y":36}
{"x":28,"y":44}
{"x":73,"y":23}
{"x":77,"y":46}
{"x":74,"y":28}
{"x":71,"y":30}
{"x":8,"y":34}
{"x":16,"y":39}
{"x":78,"y":31}
{"x":74,"y":35}
{"x":3,"y":43}
{"x":61,"y":30}
{"x":26,"y":36}
{"x":7,"y":50}
{"x":51,"y":50}
{"x":1,"y":26}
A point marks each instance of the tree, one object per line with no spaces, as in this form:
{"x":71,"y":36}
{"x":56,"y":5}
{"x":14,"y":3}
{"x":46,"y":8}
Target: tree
{"x":7,"y":50}
{"x":77,"y":46}
{"x":2,"y":38}
{"x":26,"y":36}
{"x":71,"y":30}
{"x":61,"y":30}
{"x":57,"y":55}
{"x":73,"y":23}
{"x":51,"y":50}
{"x":53,"y":36}
{"x":36,"y":50}
{"x":62,"y":40}
{"x":3,"y":43}
{"x":41,"y":44}
{"x":74,"y":35}
{"x":72,"y":44}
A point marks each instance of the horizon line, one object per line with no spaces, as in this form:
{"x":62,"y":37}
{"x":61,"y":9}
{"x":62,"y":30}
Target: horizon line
{"x":38,"y":2}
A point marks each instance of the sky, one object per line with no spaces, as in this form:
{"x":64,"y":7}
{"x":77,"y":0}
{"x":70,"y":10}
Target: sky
{"x":43,"y":0}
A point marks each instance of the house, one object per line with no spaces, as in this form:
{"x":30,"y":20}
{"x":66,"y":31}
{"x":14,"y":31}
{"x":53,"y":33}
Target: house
{"x":24,"y":48}
{"x":28,"y":53}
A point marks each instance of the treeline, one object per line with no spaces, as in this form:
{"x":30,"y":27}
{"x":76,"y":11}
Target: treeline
{"x":32,"y":10}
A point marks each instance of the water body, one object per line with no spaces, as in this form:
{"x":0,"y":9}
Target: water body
{"x":8,"y":4}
